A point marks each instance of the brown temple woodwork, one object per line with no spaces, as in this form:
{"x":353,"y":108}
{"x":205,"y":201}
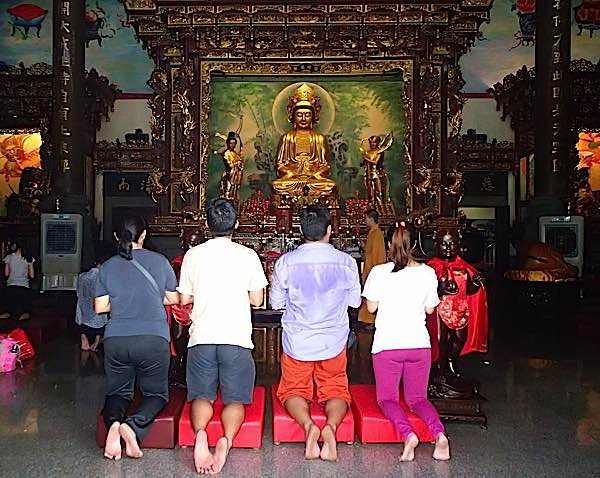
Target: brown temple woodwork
{"x":190,"y":40}
{"x":68,"y":93}
{"x":515,"y":98}
{"x":25,"y":95}
{"x":27,"y":106}
{"x":26,"y":99}
{"x":551,"y":101}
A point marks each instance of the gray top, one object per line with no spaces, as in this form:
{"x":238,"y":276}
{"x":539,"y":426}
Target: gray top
{"x":86,"y":292}
{"x":135,"y":309}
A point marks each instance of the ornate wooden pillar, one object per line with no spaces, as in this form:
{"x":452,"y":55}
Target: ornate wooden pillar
{"x":552,"y":57}
{"x":68,"y":127}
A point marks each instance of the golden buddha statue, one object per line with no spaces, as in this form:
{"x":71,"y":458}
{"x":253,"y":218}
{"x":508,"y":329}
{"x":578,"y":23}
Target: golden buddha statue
{"x":303,"y":157}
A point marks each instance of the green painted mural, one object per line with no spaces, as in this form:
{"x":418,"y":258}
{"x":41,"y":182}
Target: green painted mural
{"x":353,"y":107}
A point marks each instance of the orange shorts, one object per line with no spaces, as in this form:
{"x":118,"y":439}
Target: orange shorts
{"x":330,"y":376}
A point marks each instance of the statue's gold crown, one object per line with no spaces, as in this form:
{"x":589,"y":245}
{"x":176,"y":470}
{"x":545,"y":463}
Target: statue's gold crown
{"x":304,"y":98}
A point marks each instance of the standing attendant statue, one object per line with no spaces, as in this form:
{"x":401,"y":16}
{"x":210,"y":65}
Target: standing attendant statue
{"x":460,"y":324}
{"x":234,"y":164}
{"x":376,"y":179}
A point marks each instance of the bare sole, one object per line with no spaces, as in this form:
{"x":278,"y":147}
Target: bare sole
{"x":441,"y":451}
{"x":221,"y":453}
{"x":132,"y":447}
{"x":312,"y":450}
{"x":203,"y":458}
{"x":411,"y":442}
{"x":329,"y":448}
{"x":112,"y":447}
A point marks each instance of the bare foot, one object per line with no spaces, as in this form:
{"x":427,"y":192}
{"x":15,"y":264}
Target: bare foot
{"x":312,"y":450}
{"x":132,"y":448}
{"x":203,"y":458}
{"x":410,"y":443}
{"x":442,"y":448}
{"x":95,"y":345}
{"x":221,"y":452}
{"x":85,"y":344}
{"x":329,"y":448}
{"x":112,"y":447}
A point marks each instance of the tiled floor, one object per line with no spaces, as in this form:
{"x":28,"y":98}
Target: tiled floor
{"x":543,"y":410}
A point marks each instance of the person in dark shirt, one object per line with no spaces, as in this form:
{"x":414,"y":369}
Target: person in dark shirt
{"x":134,"y":286}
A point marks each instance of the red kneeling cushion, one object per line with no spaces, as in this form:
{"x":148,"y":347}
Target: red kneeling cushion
{"x":163,"y":432}
{"x":372,"y":425}
{"x":287,"y":430}
{"x":251,"y":431}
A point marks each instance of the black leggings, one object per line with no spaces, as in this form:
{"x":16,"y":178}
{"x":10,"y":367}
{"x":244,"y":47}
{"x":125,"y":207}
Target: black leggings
{"x":17,"y":300}
{"x":145,"y":357}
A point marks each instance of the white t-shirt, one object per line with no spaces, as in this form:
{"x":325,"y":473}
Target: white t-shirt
{"x":19,"y":270}
{"x":219,"y":274}
{"x":403,"y":297}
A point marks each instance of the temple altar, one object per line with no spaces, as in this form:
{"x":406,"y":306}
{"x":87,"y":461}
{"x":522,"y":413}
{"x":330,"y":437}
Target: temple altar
{"x":361,"y":70}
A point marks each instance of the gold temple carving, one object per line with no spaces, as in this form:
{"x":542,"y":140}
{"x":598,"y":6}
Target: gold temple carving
{"x":422,"y":39}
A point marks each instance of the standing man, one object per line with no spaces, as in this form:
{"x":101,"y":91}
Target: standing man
{"x":374,"y":255}
{"x":315,"y":284}
{"x":222,"y":279}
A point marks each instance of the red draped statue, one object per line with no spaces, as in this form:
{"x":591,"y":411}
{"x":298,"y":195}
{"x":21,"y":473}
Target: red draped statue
{"x":459,"y":325}
{"x":460,"y":310}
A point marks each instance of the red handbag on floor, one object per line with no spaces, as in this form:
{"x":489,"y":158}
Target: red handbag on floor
{"x":26,"y":350}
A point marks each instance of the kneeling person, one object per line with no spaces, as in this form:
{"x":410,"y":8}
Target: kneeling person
{"x":222,"y":279}
{"x":315,"y":284}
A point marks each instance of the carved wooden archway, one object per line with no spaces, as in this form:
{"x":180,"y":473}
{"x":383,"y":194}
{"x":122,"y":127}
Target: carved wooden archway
{"x":424,"y":38}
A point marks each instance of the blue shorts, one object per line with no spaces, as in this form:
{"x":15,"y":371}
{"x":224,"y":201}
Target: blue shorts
{"x":228,"y":366}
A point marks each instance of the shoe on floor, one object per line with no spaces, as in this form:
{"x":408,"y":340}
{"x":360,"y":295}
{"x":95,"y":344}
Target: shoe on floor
{"x":24,"y":316}
{"x":6,"y":315}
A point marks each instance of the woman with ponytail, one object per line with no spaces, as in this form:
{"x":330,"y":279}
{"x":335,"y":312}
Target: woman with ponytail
{"x":18,"y":269}
{"x":402,"y":292}
{"x":133,"y":286}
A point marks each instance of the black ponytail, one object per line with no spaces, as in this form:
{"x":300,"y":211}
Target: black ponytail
{"x":130,"y":229}
{"x":124,"y":247}
{"x":24,"y":252}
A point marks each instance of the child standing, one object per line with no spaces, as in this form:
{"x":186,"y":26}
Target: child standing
{"x":91,"y":325}
{"x":18,"y":268}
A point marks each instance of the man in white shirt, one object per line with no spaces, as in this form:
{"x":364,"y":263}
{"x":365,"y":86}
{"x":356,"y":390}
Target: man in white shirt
{"x":222,"y":279}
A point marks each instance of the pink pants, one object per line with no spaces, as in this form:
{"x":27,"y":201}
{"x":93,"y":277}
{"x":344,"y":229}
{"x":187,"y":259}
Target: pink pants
{"x":412,"y":366}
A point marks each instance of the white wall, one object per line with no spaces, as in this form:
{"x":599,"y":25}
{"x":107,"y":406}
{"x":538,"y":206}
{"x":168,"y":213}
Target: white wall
{"x":128,"y":115}
{"x":481,"y":114}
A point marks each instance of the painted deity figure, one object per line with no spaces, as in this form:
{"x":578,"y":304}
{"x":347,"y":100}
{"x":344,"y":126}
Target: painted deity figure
{"x":234,"y":164}
{"x":302,"y":156}
{"x":460,"y":324}
{"x":376,"y":178}
{"x":13,"y":157}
